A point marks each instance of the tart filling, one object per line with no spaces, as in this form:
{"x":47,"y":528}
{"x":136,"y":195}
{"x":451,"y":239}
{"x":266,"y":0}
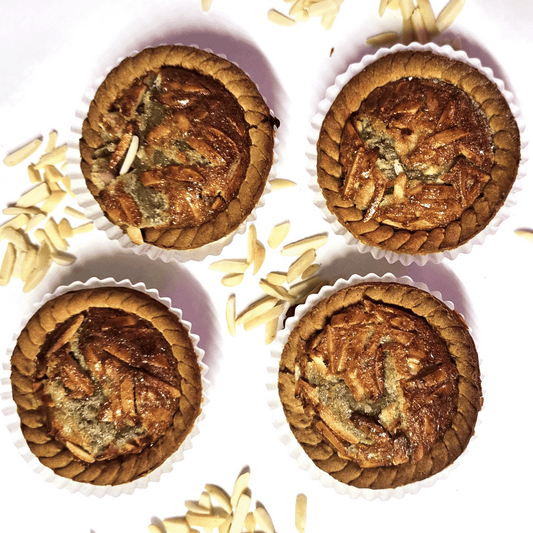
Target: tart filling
{"x":380,"y":385}
{"x":380,"y":382}
{"x":177,"y":147}
{"x":417,"y":153}
{"x":109,"y":382}
{"x":192,"y":155}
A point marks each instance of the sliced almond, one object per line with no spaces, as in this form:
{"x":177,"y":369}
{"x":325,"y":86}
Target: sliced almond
{"x":274,"y":290}
{"x":220,"y":496}
{"x":250,"y":522}
{"x":74,"y":213}
{"x":66,"y":181}
{"x":271,"y":330}
{"x":130,"y":155}
{"x":176,"y":525}
{"x":278,"y":234}
{"x":383,"y":38}
{"x":53,"y":201}
{"x":80,"y":453}
{"x":230,"y":266}
{"x":310,"y":271}
{"x":230,"y":315}
{"x":34,"y":174}
{"x":208,"y":521}
{"x":322,"y":7}
{"x":84,"y":228}
{"x":300,"y":291}
{"x":197,"y":507}
{"x":448,"y":14}
{"x":276,"y":278}
{"x":8,"y":264}
{"x":252,"y":239}
{"x":16,"y":157}
{"x":135,"y":234}
{"x":525,"y":234}
{"x":30,"y":260}
{"x":259,"y":256}
{"x":406,"y":8}
{"x":51,"y":174}
{"x":300,"y":513}
{"x":62,"y":258}
{"x":428,"y":16}
{"x":301,"y":246}
{"x":383,"y":7}
{"x":419,"y":27}
{"x":239,"y":487}
{"x":206,"y":5}
{"x":35,"y":221}
{"x":52,"y":231}
{"x":155,"y":528}
{"x":239,"y":516}
{"x":34,"y":196}
{"x":265,"y":317}
{"x":16,"y":210}
{"x":279,"y":18}
{"x":298,"y":267}
{"x":279,"y":184}
{"x":52,"y":141}
{"x":17,"y":222}
{"x":256,"y":309}
{"x":17,"y":237}
{"x":264,"y":520}
{"x":232,"y":280}
{"x":65,"y":229}
{"x":57,"y":155}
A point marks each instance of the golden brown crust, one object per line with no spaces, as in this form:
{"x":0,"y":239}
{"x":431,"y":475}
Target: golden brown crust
{"x":308,"y":427}
{"x":219,"y":218}
{"x":36,"y":411}
{"x":474,"y":213}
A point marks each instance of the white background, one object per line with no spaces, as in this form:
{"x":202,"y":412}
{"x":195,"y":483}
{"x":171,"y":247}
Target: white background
{"x":51,"y":52}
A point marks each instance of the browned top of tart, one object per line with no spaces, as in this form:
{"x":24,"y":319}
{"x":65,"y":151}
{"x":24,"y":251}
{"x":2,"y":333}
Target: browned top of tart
{"x":380,"y":384}
{"x":175,"y":135}
{"x":107,"y":384}
{"x":417,"y":153}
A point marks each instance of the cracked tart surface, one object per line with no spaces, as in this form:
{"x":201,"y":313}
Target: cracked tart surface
{"x":380,"y":385}
{"x":107,"y":384}
{"x":177,"y":147}
{"x":417,"y":153}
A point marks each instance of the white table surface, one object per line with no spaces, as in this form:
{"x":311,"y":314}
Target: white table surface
{"x":51,"y":52}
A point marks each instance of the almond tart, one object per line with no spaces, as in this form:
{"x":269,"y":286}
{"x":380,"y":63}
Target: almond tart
{"x":417,"y":153}
{"x":380,"y":385}
{"x":177,"y":147}
{"x":107,"y":384}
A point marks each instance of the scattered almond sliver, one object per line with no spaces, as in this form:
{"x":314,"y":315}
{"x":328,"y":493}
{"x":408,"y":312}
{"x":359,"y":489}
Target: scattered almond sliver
{"x":525,"y":234}
{"x":304,"y":10}
{"x":418,"y":21}
{"x":33,"y":235}
{"x":216,"y":510}
{"x":280,"y":184}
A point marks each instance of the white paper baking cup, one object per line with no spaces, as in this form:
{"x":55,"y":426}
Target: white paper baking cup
{"x":316,"y":124}
{"x":282,"y":427}
{"x":93,"y":211}
{"x":12,"y":420}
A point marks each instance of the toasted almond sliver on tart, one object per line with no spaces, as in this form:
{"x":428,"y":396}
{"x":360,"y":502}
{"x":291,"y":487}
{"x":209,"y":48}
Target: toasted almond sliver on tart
{"x":130,"y":155}
{"x":16,"y":157}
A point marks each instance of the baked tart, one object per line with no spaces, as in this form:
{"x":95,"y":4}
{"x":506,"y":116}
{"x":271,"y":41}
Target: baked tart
{"x":107,"y":384}
{"x":417,"y":153}
{"x":379,"y":383}
{"x":177,"y":147}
